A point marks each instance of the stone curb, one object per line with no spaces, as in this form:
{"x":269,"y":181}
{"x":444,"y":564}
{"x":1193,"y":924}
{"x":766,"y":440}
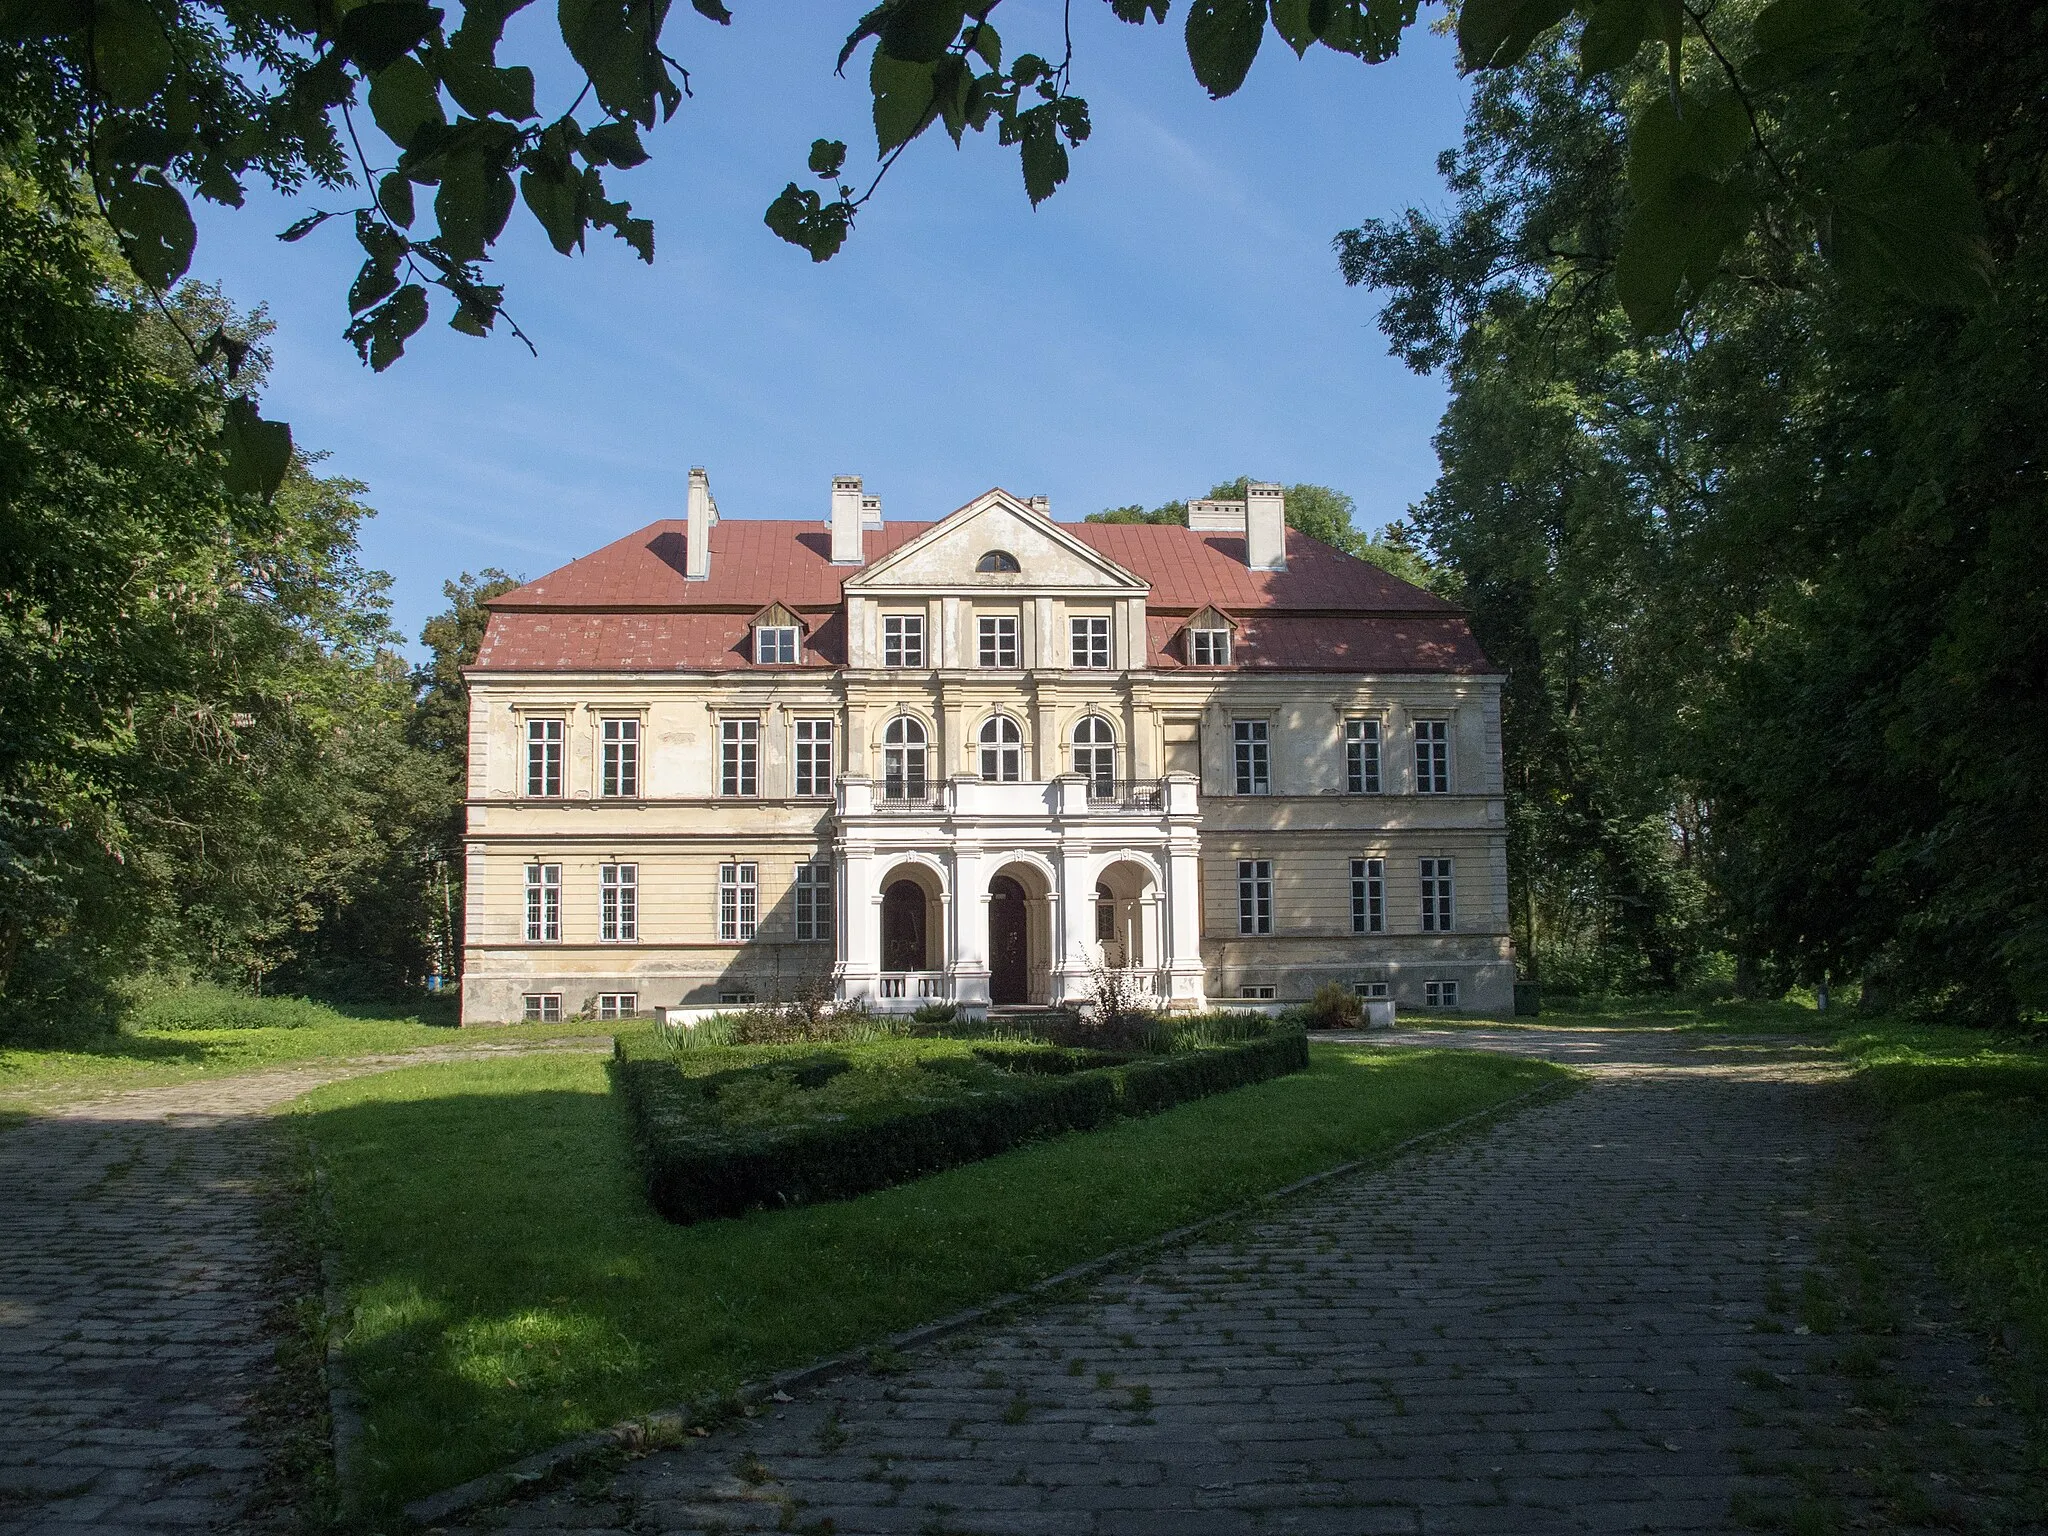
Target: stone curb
{"x":493,"y":1487}
{"x":344,"y":1414}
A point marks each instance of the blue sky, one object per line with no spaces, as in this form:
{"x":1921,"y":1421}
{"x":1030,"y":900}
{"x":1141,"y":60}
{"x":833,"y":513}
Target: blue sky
{"x":1171,"y":317}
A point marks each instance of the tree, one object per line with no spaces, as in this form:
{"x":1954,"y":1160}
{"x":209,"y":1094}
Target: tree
{"x":1319,"y":512}
{"x":147,"y":102}
{"x":1775,"y":655}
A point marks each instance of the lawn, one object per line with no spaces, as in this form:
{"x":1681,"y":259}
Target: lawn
{"x":1966,"y":1115}
{"x":31,"y":1077}
{"x":509,"y":1286}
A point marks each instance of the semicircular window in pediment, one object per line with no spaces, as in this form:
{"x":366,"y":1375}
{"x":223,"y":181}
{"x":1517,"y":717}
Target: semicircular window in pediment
{"x":998,"y":560}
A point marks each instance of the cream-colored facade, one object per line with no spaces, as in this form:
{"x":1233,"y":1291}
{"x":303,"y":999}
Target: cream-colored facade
{"x":1033,"y":799}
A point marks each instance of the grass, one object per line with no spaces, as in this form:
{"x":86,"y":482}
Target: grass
{"x":31,"y":1077}
{"x":1966,"y":1116}
{"x":509,"y":1286}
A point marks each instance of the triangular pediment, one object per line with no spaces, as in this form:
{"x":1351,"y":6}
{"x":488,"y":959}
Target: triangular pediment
{"x":949,"y":556}
{"x":775,"y":616}
{"x":1211,"y":618}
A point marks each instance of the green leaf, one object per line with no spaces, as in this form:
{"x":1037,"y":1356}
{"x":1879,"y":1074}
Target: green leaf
{"x":828,"y":157}
{"x":1708,"y":140}
{"x":1791,"y":37}
{"x":1223,"y":39}
{"x":804,"y":219}
{"x":1907,"y":222}
{"x":402,"y":97}
{"x":1044,"y":156}
{"x":920,"y":31}
{"x":713,"y":9}
{"x":1292,"y":21}
{"x":620,"y":52}
{"x":487,"y":91}
{"x":614,"y":144}
{"x":394,"y":196}
{"x":556,"y":199}
{"x":988,"y":43}
{"x":131,"y":56}
{"x":30,"y":21}
{"x":474,"y":200}
{"x":377,"y":281}
{"x":375,"y":36}
{"x":155,"y":227}
{"x":1675,"y":239}
{"x":903,"y":99}
{"x":1613,"y":35}
{"x":298,"y":229}
{"x":1493,"y":34}
{"x":380,"y":336}
{"x":1366,"y":29}
{"x":1135,"y":11}
{"x":258,"y":452}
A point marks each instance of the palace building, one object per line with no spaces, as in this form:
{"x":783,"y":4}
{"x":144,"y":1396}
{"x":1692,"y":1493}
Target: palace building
{"x":979,"y":760}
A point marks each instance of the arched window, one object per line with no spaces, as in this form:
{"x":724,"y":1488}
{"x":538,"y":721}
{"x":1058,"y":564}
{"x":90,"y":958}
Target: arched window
{"x":903,"y":775}
{"x":1002,"y":749}
{"x":998,"y":560}
{"x":1095,"y":756}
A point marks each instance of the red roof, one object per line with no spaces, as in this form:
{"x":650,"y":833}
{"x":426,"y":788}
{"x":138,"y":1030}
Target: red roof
{"x":629,"y":607}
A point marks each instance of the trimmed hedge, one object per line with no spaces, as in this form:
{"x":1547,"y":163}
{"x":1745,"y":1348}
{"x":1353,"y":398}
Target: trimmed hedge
{"x":695,"y":1172}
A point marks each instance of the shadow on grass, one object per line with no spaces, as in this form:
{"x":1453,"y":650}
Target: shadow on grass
{"x":510,"y":1286}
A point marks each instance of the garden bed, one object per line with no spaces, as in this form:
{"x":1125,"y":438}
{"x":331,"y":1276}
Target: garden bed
{"x":724,"y":1130}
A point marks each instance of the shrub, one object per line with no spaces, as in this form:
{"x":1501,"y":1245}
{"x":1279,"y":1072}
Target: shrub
{"x":701,"y":1160}
{"x":205,"y":1006}
{"x":1334,"y":1006}
{"x":935,"y":1013}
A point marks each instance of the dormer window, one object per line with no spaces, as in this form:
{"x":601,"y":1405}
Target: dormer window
{"x":1209,"y":639}
{"x":778,"y":637}
{"x":998,"y":562}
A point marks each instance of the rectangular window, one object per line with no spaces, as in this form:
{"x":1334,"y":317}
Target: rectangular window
{"x":543,"y":903}
{"x":618,"y":896}
{"x":1432,"y":757}
{"x":739,"y":757}
{"x":998,"y":642}
{"x":1254,"y":994}
{"x":1362,"y":757}
{"x":1436,"y":896}
{"x":903,"y":640}
{"x":1439,"y":994}
{"x":1370,"y":991}
{"x":814,"y":757}
{"x":1254,"y":895}
{"x":1254,"y":757}
{"x":544,"y":1007}
{"x":544,"y":757}
{"x":617,"y":1005}
{"x":814,"y":900}
{"x":1211,"y":647}
{"x":743,"y":999}
{"x":1091,"y":642}
{"x":774,"y":645}
{"x":1368,"y":895}
{"x":739,"y":901}
{"x":619,"y":773}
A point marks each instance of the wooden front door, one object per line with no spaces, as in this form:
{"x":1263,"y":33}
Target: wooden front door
{"x":1008,"y":950}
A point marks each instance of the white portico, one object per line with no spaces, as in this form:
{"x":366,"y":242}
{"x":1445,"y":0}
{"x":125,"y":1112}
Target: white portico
{"x":991,"y":893}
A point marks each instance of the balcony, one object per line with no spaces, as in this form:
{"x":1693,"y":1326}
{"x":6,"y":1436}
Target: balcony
{"x":1067,"y":797}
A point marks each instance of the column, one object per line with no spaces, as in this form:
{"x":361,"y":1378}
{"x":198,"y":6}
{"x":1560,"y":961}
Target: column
{"x":1185,"y":981}
{"x":1074,"y":907}
{"x":970,"y":929}
{"x":1149,"y":952}
{"x":860,"y":932}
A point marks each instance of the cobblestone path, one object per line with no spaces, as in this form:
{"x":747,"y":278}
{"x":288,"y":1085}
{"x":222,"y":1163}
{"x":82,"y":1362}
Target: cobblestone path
{"x":1586,"y":1318}
{"x":133,"y":1299}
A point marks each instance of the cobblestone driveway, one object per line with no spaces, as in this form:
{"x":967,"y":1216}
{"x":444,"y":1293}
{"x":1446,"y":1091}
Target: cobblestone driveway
{"x":1584,"y":1319}
{"x":133,"y":1269}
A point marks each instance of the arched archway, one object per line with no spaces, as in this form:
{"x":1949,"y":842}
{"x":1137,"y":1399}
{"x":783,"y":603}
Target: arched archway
{"x":1127,"y":915}
{"x":906,"y":926}
{"x":1009,"y":943}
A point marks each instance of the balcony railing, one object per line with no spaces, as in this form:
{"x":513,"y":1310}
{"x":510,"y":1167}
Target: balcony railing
{"x":910,"y":797}
{"x":1126,"y":795}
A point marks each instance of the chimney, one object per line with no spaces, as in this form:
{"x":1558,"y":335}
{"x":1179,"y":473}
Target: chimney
{"x":1042,"y":505}
{"x":849,"y":514}
{"x":1265,"y":527}
{"x":1216,"y":516}
{"x":871,"y":511}
{"x":703,"y":517}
